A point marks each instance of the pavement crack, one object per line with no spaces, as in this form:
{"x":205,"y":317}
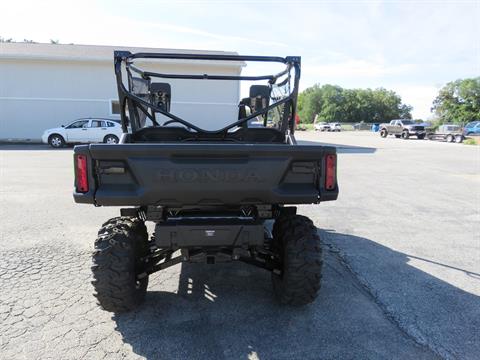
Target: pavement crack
{"x":362,"y":285}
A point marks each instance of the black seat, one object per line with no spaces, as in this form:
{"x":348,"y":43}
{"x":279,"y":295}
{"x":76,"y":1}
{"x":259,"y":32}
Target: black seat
{"x":162,"y":134}
{"x":181,"y":134}
{"x":258,"y":135}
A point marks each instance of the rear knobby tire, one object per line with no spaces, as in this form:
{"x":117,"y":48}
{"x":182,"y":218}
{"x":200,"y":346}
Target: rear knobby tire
{"x":383,"y":133}
{"x":121,"y":243}
{"x":298,"y":246}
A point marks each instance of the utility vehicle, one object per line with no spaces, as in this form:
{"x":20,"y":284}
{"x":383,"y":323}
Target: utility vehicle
{"x":210,"y":193}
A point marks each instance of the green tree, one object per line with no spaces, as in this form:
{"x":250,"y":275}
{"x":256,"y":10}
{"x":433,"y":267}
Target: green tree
{"x":334,"y":104}
{"x":458,"y":101}
{"x":309,"y":101}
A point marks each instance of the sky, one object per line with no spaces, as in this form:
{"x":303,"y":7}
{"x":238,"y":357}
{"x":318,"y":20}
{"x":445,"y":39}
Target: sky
{"x":411,"y":47}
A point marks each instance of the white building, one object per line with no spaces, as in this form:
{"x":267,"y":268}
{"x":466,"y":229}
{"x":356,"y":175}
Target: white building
{"x":45,"y":85}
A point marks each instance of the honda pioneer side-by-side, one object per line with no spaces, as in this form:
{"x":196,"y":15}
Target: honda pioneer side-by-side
{"x":209,"y":193}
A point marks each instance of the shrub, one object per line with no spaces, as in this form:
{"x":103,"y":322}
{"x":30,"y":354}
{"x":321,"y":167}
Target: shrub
{"x":471,"y":141}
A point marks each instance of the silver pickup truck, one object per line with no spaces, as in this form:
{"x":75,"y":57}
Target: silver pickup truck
{"x":402,"y":128}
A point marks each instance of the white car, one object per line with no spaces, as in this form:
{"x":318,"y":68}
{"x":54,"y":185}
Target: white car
{"x":321,"y":126}
{"x":84,"y":131}
{"x":335,"y":127}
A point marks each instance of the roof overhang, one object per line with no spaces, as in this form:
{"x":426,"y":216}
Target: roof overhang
{"x":102,"y":54}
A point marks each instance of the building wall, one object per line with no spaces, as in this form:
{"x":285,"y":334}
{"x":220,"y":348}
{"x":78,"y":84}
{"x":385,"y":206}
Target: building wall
{"x":38,"y":94}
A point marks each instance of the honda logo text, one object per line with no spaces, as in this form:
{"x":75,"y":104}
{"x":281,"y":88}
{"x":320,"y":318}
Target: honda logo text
{"x":207,"y":175}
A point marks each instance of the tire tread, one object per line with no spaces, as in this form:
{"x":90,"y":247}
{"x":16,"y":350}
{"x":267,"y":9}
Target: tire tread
{"x":299,"y":245}
{"x":120,"y":243}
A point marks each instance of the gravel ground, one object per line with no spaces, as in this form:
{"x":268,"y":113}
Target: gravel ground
{"x":401,"y":276}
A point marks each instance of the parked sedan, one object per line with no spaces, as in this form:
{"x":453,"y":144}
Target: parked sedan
{"x":84,"y":131}
{"x":335,"y":127}
{"x":472,"y":128}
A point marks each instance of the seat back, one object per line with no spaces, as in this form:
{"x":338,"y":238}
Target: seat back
{"x":180,"y":134}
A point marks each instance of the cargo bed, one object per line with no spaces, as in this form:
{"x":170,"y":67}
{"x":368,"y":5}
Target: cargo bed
{"x":176,"y":174}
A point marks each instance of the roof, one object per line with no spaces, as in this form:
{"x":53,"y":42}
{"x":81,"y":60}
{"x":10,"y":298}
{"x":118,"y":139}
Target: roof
{"x":100,"y":53}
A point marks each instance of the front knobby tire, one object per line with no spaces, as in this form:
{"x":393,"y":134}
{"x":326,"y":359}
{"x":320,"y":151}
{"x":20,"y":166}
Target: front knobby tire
{"x":298,"y":246}
{"x":121,"y":243}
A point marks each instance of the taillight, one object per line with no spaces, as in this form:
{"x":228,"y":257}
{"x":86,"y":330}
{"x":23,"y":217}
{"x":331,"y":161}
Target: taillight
{"x":81,"y":175}
{"x":330,"y":171}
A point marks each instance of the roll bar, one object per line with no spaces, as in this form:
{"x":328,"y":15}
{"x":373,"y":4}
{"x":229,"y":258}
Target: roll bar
{"x":136,"y":103}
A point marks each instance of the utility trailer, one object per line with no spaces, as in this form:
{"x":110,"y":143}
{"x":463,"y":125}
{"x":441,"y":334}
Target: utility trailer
{"x":210,"y":193}
{"x":447,"y":132}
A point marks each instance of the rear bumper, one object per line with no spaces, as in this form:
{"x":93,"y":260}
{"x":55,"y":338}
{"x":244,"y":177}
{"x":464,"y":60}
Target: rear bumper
{"x":177,"y":175}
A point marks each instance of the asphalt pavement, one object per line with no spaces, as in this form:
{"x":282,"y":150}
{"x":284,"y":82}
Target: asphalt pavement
{"x":401,"y":274}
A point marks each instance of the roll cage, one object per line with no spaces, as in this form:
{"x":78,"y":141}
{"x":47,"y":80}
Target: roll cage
{"x":137,"y":105}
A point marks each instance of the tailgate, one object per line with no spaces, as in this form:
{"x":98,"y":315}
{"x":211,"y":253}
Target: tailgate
{"x":175,"y":175}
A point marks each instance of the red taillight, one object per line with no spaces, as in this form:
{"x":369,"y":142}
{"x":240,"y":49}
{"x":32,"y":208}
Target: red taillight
{"x":330,"y":171}
{"x":81,"y":174}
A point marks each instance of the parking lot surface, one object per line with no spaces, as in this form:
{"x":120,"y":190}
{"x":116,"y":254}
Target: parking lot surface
{"x":401,"y":274}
